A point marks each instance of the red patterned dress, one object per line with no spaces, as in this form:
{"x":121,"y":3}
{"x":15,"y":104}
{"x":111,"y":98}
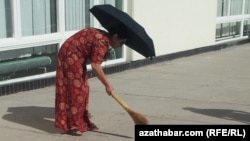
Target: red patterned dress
{"x":72,"y":88}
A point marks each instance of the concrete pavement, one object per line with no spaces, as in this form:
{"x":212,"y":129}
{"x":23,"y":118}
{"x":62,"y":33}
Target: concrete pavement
{"x":208,"y":88}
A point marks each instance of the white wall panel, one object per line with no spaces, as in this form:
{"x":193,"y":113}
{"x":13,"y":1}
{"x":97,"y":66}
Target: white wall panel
{"x":176,"y":25}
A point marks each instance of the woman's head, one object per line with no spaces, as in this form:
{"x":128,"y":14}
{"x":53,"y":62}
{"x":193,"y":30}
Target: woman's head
{"x":118,"y":35}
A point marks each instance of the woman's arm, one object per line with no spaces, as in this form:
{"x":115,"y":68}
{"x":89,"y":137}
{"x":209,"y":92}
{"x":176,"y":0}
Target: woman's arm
{"x":97,"y":69}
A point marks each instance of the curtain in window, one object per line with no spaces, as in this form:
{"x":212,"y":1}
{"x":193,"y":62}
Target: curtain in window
{"x":222,"y":8}
{"x":38,"y":17}
{"x":6,"y":23}
{"x":236,"y":7}
{"x":77,"y":14}
{"x":111,"y":2}
{"x":247,"y":7}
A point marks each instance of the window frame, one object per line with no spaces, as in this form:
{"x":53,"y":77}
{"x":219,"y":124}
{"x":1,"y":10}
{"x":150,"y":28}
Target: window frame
{"x":18,"y":41}
{"x":230,"y":19}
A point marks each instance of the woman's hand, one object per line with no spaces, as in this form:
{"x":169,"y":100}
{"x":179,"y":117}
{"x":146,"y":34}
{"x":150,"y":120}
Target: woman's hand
{"x":109,"y":89}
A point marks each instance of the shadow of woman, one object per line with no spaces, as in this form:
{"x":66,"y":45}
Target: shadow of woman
{"x":228,"y":114}
{"x":41,"y":118}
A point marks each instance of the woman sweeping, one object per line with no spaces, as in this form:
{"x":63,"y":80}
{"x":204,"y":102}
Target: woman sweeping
{"x":72,"y":88}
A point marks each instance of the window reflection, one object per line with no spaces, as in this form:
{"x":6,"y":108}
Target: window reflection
{"x":38,"y":17}
{"x":27,"y":61}
{"x":246,"y":29}
{"x":228,"y":30}
{"x":6,"y":19}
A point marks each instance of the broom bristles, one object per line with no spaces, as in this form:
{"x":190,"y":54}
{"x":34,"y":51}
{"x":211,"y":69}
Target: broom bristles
{"x":138,"y":118}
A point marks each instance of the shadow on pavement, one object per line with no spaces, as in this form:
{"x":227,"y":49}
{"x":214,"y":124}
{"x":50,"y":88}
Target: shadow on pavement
{"x":235,"y":115}
{"x":112,"y":134}
{"x":41,"y":118}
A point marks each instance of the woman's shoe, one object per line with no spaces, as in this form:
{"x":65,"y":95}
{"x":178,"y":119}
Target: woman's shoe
{"x":74,"y":132}
{"x":93,"y":127}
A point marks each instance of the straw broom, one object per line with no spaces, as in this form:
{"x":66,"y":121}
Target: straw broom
{"x":138,"y":118}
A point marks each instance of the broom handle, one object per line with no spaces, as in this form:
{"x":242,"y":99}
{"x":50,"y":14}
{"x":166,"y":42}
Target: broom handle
{"x":120,"y":101}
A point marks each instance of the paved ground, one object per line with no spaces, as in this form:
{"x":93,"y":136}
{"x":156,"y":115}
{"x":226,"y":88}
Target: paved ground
{"x":209,"y":88}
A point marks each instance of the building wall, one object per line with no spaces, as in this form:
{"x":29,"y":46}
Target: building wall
{"x":176,"y":25}
{"x":177,"y":28}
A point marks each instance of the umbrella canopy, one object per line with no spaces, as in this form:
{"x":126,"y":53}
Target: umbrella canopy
{"x":138,"y":39}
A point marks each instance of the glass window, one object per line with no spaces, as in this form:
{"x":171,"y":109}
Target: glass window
{"x":77,"y":14}
{"x":27,"y":61}
{"x":236,"y":7}
{"x":6,"y":19}
{"x":222,"y":8}
{"x":232,"y":20}
{"x":247,"y":7}
{"x":227,"y":30}
{"x":38,"y":17}
{"x":246,"y":29}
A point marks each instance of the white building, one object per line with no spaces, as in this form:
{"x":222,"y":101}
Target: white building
{"x":31,"y":32}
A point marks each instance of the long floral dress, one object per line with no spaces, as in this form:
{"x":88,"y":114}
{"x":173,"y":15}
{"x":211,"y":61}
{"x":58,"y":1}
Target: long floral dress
{"x":72,"y":88}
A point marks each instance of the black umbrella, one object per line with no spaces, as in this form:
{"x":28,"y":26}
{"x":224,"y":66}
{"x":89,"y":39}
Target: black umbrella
{"x":138,"y":39}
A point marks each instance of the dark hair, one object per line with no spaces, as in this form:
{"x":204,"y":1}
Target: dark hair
{"x":120,"y":30}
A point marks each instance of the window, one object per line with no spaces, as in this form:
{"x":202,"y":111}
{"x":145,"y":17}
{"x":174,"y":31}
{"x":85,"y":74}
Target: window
{"x":222,"y":8}
{"x":236,"y":7}
{"x":246,"y":30}
{"x":228,"y":30}
{"x":38,"y":17}
{"x":247,"y":7}
{"x":27,"y":61}
{"x":232,"y":19}
{"x":6,"y":19}
{"x":25,"y":53}
{"x":77,"y":14}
